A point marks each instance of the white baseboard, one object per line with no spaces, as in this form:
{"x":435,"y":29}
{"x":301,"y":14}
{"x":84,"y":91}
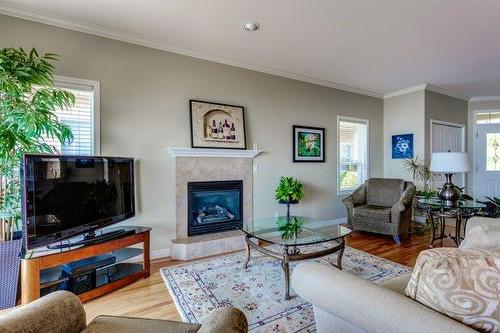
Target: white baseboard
{"x":161,"y":253}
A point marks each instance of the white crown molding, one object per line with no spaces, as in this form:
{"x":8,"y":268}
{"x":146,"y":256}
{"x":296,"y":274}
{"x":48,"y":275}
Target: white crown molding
{"x":447,"y":92}
{"x":405,"y":91}
{"x":429,"y":87}
{"x":129,"y":38}
{"x":209,"y":152}
{"x":484,"y":98}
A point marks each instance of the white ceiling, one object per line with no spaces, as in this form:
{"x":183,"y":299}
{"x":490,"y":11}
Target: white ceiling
{"x":367,"y":46}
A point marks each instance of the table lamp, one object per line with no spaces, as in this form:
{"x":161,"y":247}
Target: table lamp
{"x":450,"y":163}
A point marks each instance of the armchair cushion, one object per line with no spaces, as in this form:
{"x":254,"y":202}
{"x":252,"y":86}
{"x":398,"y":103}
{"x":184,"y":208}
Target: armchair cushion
{"x":384,"y":191}
{"x":222,"y":320}
{"x":114,"y":324}
{"x":372,"y":214}
{"x":462,"y":284}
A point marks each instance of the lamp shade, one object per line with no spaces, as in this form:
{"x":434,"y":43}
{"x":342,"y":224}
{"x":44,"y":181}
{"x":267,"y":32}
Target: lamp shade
{"x":450,"y":162}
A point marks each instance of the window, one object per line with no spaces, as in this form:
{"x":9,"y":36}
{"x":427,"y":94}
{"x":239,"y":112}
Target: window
{"x":488,"y":118}
{"x":83,"y":117}
{"x":352,"y":161}
{"x":493,"y":152}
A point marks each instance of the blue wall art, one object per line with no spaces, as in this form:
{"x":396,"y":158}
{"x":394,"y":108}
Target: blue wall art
{"x":402,"y":146}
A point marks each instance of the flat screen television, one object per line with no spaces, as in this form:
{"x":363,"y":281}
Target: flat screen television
{"x":64,"y":196}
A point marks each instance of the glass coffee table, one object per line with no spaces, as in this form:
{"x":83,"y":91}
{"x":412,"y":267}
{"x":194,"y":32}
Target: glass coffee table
{"x":292,"y":235}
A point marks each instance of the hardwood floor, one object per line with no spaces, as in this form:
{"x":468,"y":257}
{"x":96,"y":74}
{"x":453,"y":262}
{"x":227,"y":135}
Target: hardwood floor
{"x":149,"y":298}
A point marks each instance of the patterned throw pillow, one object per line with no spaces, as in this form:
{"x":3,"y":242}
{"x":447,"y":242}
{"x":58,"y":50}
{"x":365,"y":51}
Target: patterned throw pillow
{"x":462,"y":284}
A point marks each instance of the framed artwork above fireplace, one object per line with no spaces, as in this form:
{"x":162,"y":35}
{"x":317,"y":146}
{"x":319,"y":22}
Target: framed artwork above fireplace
{"x":216,"y":125}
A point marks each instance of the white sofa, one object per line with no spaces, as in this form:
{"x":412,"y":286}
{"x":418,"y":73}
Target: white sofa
{"x":344,"y":303}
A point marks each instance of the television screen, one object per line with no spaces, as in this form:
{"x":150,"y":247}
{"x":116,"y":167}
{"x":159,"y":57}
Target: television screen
{"x":69,"y":195}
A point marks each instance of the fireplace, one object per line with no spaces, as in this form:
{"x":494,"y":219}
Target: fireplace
{"x":214,"y":206}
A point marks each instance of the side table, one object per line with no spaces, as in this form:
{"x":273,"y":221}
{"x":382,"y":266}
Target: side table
{"x":439,"y":209}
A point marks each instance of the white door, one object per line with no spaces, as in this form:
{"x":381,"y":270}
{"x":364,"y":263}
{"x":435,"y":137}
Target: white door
{"x":447,"y":137}
{"x":486,"y":166}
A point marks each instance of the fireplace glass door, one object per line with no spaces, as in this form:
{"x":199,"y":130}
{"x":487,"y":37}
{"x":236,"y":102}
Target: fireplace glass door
{"x":214,"y":206}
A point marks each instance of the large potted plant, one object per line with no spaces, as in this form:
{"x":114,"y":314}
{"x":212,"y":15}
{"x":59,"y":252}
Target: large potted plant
{"x":289,"y":191}
{"x":421,"y":176}
{"x":28,"y":101}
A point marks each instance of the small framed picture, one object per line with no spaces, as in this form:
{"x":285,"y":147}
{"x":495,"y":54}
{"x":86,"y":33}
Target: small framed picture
{"x":308,"y":144}
{"x":216,"y":125}
{"x":402,"y":146}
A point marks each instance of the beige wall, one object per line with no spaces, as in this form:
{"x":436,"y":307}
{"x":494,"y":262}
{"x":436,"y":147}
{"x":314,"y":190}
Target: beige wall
{"x":412,"y":113}
{"x":476,"y":106}
{"x":403,"y":114}
{"x":444,"y":108}
{"x":144,"y":109}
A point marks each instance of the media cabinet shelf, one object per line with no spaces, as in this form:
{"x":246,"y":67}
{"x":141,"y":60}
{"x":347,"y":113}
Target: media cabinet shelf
{"x":42,"y":274}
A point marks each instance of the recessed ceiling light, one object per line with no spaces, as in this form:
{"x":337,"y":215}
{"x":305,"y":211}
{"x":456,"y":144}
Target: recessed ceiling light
{"x":251,"y":26}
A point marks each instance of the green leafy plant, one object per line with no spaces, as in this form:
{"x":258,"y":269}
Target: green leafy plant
{"x":28,"y":100}
{"x":426,"y":194}
{"x":419,"y":170}
{"x":289,"y":189}
{"x":290,"y":227}
{"x":492,"y":208}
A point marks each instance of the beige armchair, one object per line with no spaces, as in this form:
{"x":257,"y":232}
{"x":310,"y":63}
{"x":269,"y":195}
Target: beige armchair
{"x":62,"y":312}
{"x":381,"y":205}
{"x":348,"y":304}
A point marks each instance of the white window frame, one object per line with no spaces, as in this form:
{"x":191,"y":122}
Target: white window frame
{"x":358,"y":120}
{"x":96,"y":117}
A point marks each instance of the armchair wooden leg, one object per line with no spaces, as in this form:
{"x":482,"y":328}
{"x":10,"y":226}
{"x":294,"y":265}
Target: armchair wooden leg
{"x":397,"y":239}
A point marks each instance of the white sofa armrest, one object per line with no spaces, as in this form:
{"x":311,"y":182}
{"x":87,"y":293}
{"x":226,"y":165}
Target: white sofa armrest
{"x":482,"y":233}
{"x":365,"y":305}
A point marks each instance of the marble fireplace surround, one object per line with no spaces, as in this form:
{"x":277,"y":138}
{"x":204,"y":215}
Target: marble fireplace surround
{"x":196,"y":164}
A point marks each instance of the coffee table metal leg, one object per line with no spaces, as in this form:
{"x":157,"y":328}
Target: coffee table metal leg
{"x":341,"y":254}
{"x":286,"y":270}
{"x":247,"y":247}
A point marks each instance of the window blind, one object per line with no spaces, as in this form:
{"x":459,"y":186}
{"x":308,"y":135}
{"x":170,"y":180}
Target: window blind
{"x":80,"y":118}
{"x":353,"y":153}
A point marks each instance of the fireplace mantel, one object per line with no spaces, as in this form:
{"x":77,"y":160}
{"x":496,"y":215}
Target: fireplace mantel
{"x":204,"y":152}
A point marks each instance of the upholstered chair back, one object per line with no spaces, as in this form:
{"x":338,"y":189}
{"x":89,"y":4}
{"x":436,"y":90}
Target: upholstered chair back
{"x":384,"y":192}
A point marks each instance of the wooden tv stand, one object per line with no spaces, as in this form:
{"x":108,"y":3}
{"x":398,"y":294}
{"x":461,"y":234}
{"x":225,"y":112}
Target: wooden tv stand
{"x":41,"y":271}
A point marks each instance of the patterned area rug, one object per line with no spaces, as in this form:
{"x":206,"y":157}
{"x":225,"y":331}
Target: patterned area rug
{"x":201,"y":286}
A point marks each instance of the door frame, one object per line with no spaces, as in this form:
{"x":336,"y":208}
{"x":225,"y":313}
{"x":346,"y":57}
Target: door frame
{"x":475,"y":137}
{"x":464,"y":140}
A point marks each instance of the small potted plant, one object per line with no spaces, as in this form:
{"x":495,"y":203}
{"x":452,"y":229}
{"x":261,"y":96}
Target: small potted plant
{"x":288,"y":192}
{"x":28,"y":102}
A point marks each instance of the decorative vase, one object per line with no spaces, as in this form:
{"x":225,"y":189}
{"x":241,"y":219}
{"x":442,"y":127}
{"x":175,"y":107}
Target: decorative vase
{"x":10,"y":260}
{"x":288,"y":203}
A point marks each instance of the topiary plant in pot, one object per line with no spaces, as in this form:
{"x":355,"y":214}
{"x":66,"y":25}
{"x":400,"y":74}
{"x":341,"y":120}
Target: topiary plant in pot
{"x":289,"y":191}
{"x":28,"y":101}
